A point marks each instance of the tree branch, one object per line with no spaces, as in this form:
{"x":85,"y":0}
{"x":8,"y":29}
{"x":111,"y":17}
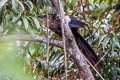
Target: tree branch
{"x":38,"y":38}
{"x":71,"y":43}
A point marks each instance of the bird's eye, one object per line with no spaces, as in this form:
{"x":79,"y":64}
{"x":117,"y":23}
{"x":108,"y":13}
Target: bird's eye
{"x":57,"y":18}
{"x":44,"y":16}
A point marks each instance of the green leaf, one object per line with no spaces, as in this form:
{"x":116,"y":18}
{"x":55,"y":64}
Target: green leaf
{"x":101,"y":15}
{"x":36,"y":22}
{"x":100,"y":1}
{"x":32,"y":49}
{"x":31,"y":5}
{"x":116,"y":38}
{"x":2,"y":11}
{"x":15,"y":18}
{"x":116,"y":41}
{"x":117,"y":8}
{"x":96,"y":1}
{"x":105,"y":41}
{"x":102,"y":39}
{"x":22,"y":6}
{"x":112,"y":44}
{"x":2,"y":3}
{"x":110,"y":2}
{"x":73,"y":2}
{"x":25,"y":21}
{"x":91,"y":1}
{"x":14,"y":4}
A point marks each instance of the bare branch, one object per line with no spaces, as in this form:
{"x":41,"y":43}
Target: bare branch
{"x":38,"y":38}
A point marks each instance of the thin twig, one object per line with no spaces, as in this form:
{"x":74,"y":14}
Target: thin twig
{"x":63,"y":37}
{"x":48,"y":46}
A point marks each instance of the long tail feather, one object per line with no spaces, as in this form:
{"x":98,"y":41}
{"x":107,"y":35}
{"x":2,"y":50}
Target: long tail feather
{"x":88,"y":52}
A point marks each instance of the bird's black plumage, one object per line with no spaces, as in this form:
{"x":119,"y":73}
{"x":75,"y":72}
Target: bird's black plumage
{"x":74,"y":24}
{"x":87,"y":50}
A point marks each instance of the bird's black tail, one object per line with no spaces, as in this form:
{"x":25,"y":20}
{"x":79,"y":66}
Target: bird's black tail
{"x":88,"y":52}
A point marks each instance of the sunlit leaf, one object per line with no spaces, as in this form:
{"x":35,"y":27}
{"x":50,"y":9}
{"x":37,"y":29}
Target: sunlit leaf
{"x":100,"y":1}
{"x":32,"y":48}
{"x":36,"y":22}
{"x":105,"y":42}
{"x":31,"y":5}
{"x":2,"y":2}
{"x":116,"y":42}
{"x":22,"y":6}
{"x":112,"y":44}
{"x":14,"y":4}
{"x":15,"y":18}
{"x":110,"y":1}
{"x":101,"y":39}
{"x":25,"y":21}
{"x":116,"y":38}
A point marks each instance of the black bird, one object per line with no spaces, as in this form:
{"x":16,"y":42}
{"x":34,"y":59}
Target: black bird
{"x":74,"y":24}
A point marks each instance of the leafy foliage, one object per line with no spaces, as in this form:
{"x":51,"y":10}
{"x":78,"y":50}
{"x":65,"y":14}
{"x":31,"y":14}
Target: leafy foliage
{"x":103,"y":17}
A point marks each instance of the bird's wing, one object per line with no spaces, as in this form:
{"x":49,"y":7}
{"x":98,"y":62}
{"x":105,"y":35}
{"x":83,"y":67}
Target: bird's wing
{"x":74,"y":23}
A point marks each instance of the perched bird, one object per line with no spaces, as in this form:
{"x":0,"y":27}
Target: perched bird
{"x":74,"y":24}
